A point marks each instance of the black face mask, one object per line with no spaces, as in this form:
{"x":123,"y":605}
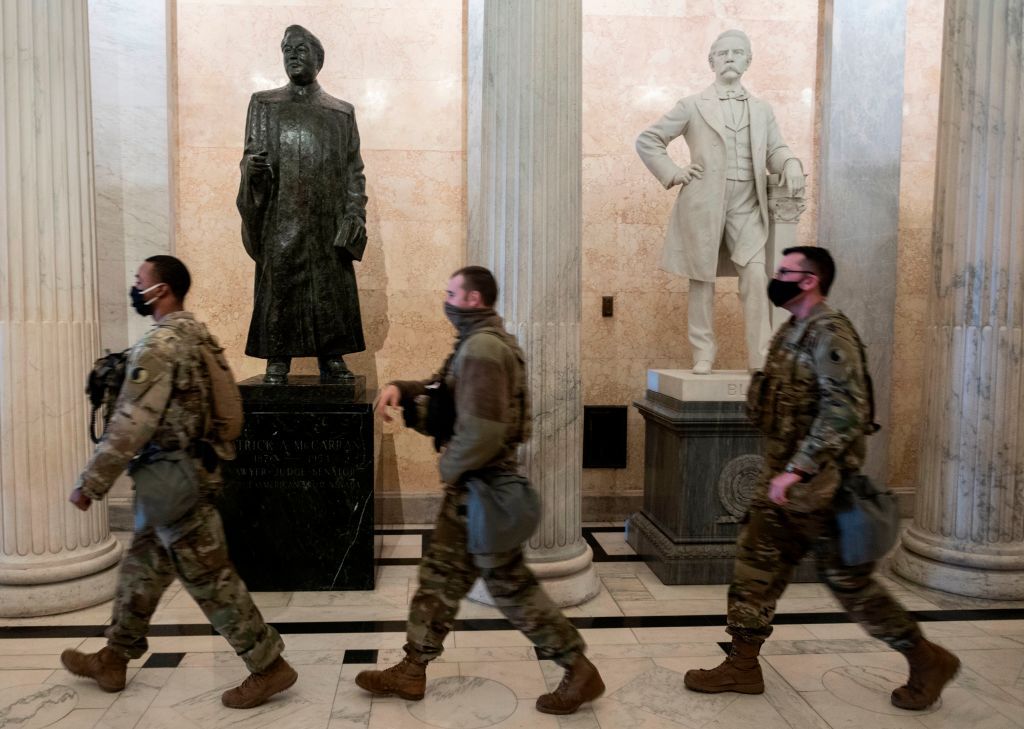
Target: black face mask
{"x":139,"y":302}
{"x":782,"y":292}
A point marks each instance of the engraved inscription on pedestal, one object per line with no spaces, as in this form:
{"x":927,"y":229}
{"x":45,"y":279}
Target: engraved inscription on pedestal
{"x":298,"y":501}
{"x":683,"y":385}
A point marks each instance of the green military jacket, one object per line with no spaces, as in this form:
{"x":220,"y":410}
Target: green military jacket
{"x":162,"y":404}
{"x":812,"y":403}
{"x":486,"y":375}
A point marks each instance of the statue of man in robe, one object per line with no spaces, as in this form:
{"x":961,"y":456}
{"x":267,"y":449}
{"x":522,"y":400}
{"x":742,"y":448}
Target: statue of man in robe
{"x":303,"y":206}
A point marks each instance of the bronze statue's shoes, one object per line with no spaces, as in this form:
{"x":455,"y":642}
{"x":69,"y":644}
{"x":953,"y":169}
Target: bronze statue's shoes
{"x":277,"y":373}
{"x":335,"y":370}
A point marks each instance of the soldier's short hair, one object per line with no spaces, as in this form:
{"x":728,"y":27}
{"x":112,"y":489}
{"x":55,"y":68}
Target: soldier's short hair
{"x":318,"y":47}
{"x":478,"y":278}
{"x":171,"y":271}
{"x":818,"y":260}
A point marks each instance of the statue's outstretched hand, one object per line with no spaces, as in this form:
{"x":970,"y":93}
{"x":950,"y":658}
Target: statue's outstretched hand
{"x":688,"y":174}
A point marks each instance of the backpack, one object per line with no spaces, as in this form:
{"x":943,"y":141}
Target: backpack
{"x":225,"y":416}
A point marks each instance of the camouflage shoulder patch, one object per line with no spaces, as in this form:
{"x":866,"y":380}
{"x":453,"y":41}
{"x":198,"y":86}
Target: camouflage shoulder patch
{"x":150,"y":360}
{"x":138,"y":375}
{"x":836,"y":354}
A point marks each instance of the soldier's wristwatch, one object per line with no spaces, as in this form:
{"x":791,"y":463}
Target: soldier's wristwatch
{"x":804,"y":476}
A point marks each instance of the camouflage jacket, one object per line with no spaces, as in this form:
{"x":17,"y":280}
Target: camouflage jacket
{"x":812,"y":403}
{"x":162,"y":404}
{"x":486,"y":375}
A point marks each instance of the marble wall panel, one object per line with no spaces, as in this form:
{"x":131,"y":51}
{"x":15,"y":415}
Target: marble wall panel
{"x":917,"y":189}
{"x":639,"y":58}
{"x":399,"y":62}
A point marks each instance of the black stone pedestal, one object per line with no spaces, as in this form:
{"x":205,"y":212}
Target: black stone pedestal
{"x":298,"y":501}
{"x":701,"y":465}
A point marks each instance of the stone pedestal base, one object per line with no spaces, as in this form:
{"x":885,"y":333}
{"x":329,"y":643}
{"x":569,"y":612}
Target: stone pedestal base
{"x":298,"y":501}
{"x":701,"y":465}
{"x":569,"y":582}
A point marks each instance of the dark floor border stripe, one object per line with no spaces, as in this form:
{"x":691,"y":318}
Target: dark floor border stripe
{"x":599,"y":554}
{"x":400,"y":532}
{"x":594,"y":623}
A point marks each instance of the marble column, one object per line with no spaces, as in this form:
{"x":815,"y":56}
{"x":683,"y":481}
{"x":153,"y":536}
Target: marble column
{"x":860,"y":112}
{"x":132,"y":107}
{"x":524,"y":180}
{"x":53,"y":558}
{"x":968,"y":530}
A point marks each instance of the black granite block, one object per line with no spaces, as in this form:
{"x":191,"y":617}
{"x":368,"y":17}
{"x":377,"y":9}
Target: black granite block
{"x":302,"y":390}
{"x":298,"y":501}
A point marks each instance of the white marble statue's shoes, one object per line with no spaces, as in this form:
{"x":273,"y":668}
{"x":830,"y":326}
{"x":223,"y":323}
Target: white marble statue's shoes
{"x":702,"y":367}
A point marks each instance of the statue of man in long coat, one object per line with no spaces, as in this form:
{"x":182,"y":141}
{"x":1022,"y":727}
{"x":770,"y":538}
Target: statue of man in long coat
{"x":303,"y":206}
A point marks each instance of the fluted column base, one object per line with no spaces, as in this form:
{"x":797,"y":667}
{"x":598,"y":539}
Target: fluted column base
{"x":567,"y":582}
{"x":47,"y":585}
{"x":942,"y":564}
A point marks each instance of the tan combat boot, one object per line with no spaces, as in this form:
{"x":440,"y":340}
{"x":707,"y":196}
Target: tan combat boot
{"x":580,"y":684}
{"x":259,"y":687}
{"x":931,"y":668}
{"x":407,"y":679}
{"x":739,"y":672}
{"x":107,"y":668}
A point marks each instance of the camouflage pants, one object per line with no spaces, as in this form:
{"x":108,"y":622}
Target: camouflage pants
{"x":769,"y":549}
{"x":193,"y":549}
{"x":447,"y":573}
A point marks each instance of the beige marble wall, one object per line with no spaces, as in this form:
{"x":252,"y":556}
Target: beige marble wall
{"x":639,"y":57}
{"x":400,"y":62}
{"x":917,"y":189}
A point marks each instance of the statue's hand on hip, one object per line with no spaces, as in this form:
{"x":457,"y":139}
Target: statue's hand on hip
{"x":688,"y":174}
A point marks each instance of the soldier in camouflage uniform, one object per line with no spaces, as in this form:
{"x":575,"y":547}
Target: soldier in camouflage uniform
{"x":158,"y":420}
{"x":492,"y":418}
{"x":813,"y":404}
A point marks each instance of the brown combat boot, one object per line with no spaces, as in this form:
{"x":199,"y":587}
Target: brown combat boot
{"x":107,"y":668}
{"x":739,"y":672}
{"x":931,"y":668}
{"x":259,"y":687}
{"x":407,"y":679}
{"x":580,"y":684}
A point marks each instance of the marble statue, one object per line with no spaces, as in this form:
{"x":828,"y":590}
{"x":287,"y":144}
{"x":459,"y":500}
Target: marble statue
{"x":303,"y":206}
{"x":719,"y":223}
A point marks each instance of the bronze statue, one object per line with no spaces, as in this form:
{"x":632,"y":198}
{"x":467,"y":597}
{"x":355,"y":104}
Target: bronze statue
{"x":303,"y":206}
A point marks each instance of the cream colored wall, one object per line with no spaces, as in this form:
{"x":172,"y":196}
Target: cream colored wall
{"x":400,"y":63}
{"x":917,"y":189}
{"x":639,"y":58}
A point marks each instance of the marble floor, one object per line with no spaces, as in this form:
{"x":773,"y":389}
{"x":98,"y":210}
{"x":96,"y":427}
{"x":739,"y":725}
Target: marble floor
{"x":821,"y":671}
